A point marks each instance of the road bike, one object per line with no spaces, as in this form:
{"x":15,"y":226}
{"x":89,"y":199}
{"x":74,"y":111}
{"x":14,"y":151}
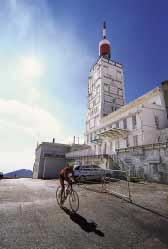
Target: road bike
{"x":70,"y":194}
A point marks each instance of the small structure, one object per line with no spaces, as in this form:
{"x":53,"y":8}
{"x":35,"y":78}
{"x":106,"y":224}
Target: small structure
{"x":50,"y":159}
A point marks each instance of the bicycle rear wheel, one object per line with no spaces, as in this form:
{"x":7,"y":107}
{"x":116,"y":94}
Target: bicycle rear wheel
{"x":74,"y":201}
{"x":58,"y":195}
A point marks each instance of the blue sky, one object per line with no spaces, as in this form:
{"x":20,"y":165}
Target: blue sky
{"x":46,"y":51}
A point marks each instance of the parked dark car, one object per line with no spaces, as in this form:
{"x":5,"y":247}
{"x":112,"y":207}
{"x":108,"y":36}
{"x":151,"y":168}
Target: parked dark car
{"x":1,"y":175}
{"x":116,"y":174}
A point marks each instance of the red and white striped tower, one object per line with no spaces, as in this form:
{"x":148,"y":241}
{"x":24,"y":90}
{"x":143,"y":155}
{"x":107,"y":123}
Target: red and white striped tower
{"x":105,"y":45}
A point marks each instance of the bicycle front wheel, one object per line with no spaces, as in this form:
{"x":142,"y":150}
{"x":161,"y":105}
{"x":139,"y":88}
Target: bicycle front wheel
{"x":74,"y":201}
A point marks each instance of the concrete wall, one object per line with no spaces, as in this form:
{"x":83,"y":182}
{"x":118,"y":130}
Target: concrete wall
{"x":49,"y":159}
{"x":36,"y":163}
{"x":52,"y":167}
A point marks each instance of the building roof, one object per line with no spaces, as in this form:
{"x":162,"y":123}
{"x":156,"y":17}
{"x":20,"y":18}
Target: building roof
{"x":52,"y":145}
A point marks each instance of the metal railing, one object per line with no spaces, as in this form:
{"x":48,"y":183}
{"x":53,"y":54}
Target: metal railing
{"x":114,"y":182}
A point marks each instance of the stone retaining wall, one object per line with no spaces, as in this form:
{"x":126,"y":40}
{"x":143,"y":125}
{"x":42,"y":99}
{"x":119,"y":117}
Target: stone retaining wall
{"x":148,"y":161}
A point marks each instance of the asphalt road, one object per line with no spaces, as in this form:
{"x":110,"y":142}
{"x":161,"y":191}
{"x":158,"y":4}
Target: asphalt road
{"x":31,"y":218}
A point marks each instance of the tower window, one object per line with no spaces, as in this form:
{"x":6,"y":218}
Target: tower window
{"x":119,"y":76}
{"x":157,"y":122}
{"x":134,"y":121}
{"x":106,"y":87}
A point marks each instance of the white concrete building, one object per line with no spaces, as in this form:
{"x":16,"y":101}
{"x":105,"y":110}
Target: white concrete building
{"x":110,"y":123}
{"x":137,"y":123}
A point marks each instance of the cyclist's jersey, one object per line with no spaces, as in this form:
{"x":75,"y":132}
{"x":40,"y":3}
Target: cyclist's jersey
{"x":65,"y":172}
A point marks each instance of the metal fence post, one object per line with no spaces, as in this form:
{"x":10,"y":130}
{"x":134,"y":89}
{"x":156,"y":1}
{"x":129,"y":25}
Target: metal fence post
{"x":128,"y":181}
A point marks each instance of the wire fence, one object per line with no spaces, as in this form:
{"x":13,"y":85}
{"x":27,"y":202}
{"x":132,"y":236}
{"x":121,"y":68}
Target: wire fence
{"x":112,"y":181}
{"x":147,"y":195}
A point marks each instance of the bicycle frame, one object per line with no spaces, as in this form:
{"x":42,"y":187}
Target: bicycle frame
{"x":67,"y":191}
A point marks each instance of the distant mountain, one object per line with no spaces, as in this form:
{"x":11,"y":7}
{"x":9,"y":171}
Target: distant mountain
{"x":20,"y":173}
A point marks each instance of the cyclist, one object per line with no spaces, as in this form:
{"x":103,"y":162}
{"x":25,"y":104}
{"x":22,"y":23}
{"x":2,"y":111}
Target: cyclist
{"x":66,"y":174}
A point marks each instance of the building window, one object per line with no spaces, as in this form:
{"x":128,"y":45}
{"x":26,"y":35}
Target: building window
{"x":119,"y":76}
{"x":94,"y":136}
{"x":95,"y":110}
{"x":113,"y":108}
{"x":157,"y":122}
{"x":125,"y":123}
{"x":91,"y":124}
{"x":135,"y":140}
{"x":127,"y":142}
{"x":155,"y":168}
{"x":94,"y":102}
{"x":117,"y":124}
{"x":97,"y":99}
{"x":114,"y":100}
{"x":106,"y":87}
{"x":90,"y":137}
{"x":134,"y":121}
{"x":87,"y":139}
{"x":98,"y":89}
{"x":117,"y":144}
{"x":105,"y":148}
{"x":120,"y":92}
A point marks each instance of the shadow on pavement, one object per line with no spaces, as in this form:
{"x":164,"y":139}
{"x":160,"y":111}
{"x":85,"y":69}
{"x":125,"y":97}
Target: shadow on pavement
{"x":83,"y":223}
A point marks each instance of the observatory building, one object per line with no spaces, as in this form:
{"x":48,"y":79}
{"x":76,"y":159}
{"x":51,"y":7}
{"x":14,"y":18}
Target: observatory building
{"x":133,"y":135}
